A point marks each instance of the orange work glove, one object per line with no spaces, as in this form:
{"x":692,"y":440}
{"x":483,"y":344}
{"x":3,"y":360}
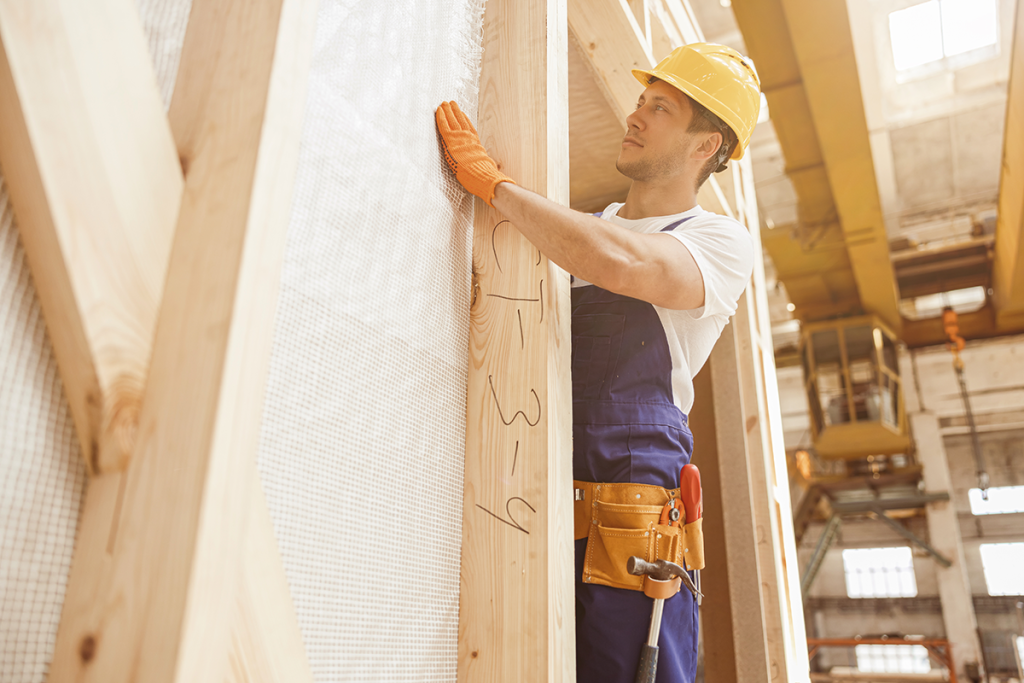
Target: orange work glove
{"x":468,"y":159}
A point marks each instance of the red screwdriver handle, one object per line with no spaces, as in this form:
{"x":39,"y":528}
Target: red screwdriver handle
{"x":690,"y":492}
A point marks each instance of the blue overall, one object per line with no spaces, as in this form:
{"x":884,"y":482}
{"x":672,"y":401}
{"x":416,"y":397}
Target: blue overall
{"x":626,"y":428}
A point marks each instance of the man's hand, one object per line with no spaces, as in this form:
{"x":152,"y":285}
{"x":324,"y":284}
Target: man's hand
{"x":468,"y":159}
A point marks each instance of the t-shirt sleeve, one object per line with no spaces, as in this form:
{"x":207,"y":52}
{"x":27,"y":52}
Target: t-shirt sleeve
{"x":724,"y":253}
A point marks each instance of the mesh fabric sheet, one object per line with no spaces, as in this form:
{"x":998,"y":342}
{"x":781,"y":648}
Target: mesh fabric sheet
{"x":42,"y":477}
{"x":364,"y":427}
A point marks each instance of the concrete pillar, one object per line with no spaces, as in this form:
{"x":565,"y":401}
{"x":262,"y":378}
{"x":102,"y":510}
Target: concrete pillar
{"x":944,"y":533}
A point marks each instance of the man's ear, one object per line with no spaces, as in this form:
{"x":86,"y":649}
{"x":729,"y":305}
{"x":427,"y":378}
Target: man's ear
{"x":709,"y":146}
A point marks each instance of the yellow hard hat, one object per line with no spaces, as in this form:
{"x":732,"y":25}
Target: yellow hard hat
{"x":718,"y":77}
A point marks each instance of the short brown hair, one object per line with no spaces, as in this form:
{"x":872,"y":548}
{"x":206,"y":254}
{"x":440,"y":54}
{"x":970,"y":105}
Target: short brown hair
{"x":704,"y":121}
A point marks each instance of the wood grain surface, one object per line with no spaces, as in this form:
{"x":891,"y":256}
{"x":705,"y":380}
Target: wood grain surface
{"x":95,"y":182}
{"x":158,"y":600}
{"x":516,"y":620}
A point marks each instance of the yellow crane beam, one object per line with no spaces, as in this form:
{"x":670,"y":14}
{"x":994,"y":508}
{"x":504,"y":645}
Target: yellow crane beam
{"x":1008,"y":257}
{"x":804,"y":52}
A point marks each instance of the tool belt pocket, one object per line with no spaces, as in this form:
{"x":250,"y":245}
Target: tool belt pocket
{"x":693,"y":545}
{"x":618,"y":532}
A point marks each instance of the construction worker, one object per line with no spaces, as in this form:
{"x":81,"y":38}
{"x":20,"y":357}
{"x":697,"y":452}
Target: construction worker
{"x":655,"y":279}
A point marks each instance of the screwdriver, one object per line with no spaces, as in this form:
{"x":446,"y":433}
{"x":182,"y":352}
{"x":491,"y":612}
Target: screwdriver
{"x":693,"y":502}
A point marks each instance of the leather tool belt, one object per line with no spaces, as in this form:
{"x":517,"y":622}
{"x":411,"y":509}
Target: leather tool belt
{"x":623,"y":520}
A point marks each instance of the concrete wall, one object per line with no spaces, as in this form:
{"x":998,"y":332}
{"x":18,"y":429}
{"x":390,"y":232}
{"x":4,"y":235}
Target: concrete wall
{"x":995,"y":378}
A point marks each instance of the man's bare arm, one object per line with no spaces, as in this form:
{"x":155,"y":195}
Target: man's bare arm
{"x":655,"y":268}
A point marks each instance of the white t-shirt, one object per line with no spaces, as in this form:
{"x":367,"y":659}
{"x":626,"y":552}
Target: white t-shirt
{"x":724,"y":252}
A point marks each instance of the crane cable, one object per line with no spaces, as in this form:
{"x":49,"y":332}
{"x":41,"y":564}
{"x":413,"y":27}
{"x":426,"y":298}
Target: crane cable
{"x":956,"y":343}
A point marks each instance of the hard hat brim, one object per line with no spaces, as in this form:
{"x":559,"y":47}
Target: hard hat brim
{"x":712,"y":104}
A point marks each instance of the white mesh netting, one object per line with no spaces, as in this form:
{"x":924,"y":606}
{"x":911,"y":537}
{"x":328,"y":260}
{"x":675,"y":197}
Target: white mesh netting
{"x":364,"y":425}
{"x":42,"y":476}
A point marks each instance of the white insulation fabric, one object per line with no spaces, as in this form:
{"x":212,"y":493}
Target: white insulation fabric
{"x":364,"y":426}
{"x":42,"y":476}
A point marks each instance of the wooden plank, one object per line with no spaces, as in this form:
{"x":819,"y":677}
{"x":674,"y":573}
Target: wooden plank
{"x":163,"y":608}
{"x":266,"y":645}
{"x":95,"y":182}
{"x":516,"y":619}
{"x":614,"y":44}
{"x":780,"y":596}
{"x":776,"y":540}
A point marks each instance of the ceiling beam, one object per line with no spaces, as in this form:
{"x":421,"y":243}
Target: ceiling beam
{"x":823,"y":44}
{"x":804,"y":52}
{"x":1008,"y":260}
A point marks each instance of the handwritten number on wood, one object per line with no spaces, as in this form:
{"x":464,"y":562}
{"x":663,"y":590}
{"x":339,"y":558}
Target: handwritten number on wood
{"x":513,"y":523}
{"x":501,"y":414}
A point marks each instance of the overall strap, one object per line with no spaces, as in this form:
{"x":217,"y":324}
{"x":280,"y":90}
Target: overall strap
{"x":673,"y":226}
{"x":676,"y":224}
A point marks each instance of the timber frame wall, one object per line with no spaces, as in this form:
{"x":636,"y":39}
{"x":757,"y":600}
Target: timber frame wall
{"x":176,"y":574}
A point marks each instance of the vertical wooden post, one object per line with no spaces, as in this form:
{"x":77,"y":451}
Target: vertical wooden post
{"x":735,"y":647}
{"x":781,"y":601}
{"x":153,"y":594}
{"x":516,"y":602}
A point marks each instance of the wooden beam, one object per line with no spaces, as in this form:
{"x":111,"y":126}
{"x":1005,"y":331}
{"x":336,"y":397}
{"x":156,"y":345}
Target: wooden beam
{"x":614,"y":44}
{"x":155,"y":602}
{"x":781,"y":602}
{"x":516,"y":618}
{"x":95,"y":183}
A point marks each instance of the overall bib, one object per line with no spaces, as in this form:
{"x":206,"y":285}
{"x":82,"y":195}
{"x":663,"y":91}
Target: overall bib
{"x":626,"y":428}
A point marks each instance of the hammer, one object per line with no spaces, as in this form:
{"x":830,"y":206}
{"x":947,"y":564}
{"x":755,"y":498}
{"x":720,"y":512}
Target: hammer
{"x":660,"y":585}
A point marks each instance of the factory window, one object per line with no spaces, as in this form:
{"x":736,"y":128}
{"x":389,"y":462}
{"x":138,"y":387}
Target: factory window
{"x":904,"y":659}
{"x":880,"y":573}
{"x":1002,"y":563}
{"x":1002,"y":500}
{"x":939,"y":29}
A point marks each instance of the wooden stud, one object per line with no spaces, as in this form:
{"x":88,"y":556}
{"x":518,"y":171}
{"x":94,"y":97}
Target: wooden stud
{"x":95,"y":182}
{"x":156,"y":600}
{"x":516,"y":619}
{"x":781,"y":602}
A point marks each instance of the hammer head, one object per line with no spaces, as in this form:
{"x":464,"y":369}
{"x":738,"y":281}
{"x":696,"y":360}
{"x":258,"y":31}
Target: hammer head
{"x":663,"y":570}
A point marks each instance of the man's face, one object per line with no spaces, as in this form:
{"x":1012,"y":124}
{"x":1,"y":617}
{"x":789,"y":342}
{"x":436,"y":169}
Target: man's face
{"x":657,"y":144}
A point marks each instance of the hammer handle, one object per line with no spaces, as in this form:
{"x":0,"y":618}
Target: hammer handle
{"x":648,"y":667}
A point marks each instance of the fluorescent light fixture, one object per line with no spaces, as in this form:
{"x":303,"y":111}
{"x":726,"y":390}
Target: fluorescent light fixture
{"x":1002,"y":500}
{"x":916,"y":35}
{"x":968,"y":25}
{"x":1002,"y":563}
{"x":880,"y":573}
